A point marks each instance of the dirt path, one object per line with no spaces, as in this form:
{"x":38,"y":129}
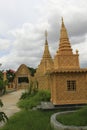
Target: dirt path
{"x":10,"y":100}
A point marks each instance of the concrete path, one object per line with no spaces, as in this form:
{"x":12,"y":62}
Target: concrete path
{"x":10,"y":100}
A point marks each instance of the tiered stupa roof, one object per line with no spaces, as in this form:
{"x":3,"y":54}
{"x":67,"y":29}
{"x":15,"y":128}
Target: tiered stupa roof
{"x":46,"y":62}
{"x":64,"y":45}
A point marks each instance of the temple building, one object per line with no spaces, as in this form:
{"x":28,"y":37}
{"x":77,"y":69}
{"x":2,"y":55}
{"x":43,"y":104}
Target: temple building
{"x":63,"y":75}
{"x":22,"y":77}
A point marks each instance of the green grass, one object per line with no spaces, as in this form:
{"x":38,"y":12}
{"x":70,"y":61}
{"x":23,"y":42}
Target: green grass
{"x":78,"y":118}
{"x":34,"y":100}
{"x":29,"y":120}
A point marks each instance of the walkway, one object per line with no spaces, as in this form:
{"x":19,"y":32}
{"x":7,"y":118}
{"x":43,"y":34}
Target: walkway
{"x":10,"y":100}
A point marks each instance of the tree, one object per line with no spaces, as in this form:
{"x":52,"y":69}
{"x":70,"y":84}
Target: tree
{"x":32,"y":71}
{"x":1,"y":74}
{"x":10,"y":75}
{"x":2,"y":87}
{"x":2,"y":84}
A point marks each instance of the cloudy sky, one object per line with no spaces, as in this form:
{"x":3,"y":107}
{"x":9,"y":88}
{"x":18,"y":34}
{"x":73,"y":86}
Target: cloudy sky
{"x":22,"y":27}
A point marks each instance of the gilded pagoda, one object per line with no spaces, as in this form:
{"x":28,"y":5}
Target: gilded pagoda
{"x":63,"y":75}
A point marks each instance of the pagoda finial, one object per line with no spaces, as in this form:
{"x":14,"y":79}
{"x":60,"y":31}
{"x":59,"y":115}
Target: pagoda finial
{"x":62,"y":22}
{"x":46,"y":34}
{"x":46,"y":47}
{"x":62,"y":19}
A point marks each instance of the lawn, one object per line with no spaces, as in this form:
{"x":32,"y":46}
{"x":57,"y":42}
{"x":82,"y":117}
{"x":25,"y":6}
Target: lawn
{"x":78,"y":118}
{"x":29,"y":120}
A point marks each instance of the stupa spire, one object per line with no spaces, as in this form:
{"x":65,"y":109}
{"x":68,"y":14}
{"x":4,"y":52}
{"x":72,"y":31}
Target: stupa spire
{"x":46,"y":36}
{"x":46,"y":49}
{"x":62,"y":22}
{"x":64,"y":45}
{"x":46,"y":61}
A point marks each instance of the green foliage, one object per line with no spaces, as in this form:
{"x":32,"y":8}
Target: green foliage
{"x":32,"y":90}
{"x":29,"y":120}
{"x":3,"y":86}
{"x":3,"y":116}
{"x":32,"y":71}
{"x":44,"y":95}
{"x":24,"y":95}
{"x":10,"y":75}
{"x":34,"y":87}
{"x":1,"y":103}
{"x":78,"y":118}
{"x":30,"y":87}
{"x":1,"y":75}
{"x":34,"y":99}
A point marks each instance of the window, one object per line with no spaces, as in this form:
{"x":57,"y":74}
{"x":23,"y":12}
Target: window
{"x":71,"y":85}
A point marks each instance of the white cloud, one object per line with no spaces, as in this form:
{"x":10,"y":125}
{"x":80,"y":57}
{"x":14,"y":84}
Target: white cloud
{"x":4,"y":44}
{"x":27,"y":47}
{"x":23,"y":23}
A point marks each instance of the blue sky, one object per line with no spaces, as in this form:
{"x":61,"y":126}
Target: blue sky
{"x":22,"y":27}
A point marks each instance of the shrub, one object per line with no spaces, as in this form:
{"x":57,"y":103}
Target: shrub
{"x":32,"y":90}
{"x":34,"y":100}
{"x":24,"y":95}
{"x":44,"y":95}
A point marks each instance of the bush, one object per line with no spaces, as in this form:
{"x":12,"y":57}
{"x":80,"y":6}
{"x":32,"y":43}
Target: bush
{"x":32,"y":90}
{"x":24,"y":95}
{"x":44,"y":95}
{"x":34,"y":100}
